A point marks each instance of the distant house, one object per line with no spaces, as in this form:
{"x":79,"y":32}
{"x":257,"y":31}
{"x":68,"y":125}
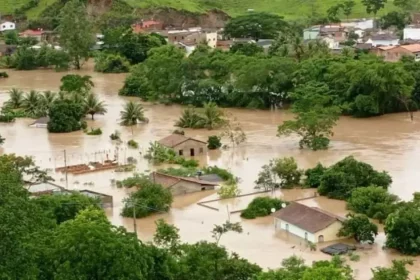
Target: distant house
{"x":358,"y":23}
{"x":106,"y":200}
{"x":191,"y":37}
{"x":29,"y":33}
{"x":309,"y":223}
{"x":395,"y":53}
{"x":7,"y":26}
{"x":40,"y":123}
{"x":336,"y":32}
{"x":184,"y":146}
{"x":311,"y":33}
{"x":412,"y":32}
{"x":181,"y":185}
{"x":383,"y":39}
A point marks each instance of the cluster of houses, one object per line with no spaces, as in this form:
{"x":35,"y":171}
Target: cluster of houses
{"x":386,"y":43}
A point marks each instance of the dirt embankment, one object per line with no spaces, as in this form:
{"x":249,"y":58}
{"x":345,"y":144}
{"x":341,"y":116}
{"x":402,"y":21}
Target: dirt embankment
{"x":184,"y":19}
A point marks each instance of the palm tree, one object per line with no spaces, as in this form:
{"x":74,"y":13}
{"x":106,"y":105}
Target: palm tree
{"x":15,"y":99}
{"x":213,"y":116}
{"x":31,"y":103}
{"x":190,"y":119}
{"x":46,"y":100}
{"x":132,"y":114}
{"x":94,"y":106}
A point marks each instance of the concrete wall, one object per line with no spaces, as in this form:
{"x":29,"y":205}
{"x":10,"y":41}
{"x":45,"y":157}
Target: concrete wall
{"x":7,"y":25}
{"x":184,"y":187}
{"x":211,"y":39}
{"x":199,"y":148}
{"x":329,"y":233}
{"x":411,"y":33}
{"x":282,"y":225}
{"x":384,"y":42}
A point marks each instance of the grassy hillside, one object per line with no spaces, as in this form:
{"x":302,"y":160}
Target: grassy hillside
{"x":291,"y":9}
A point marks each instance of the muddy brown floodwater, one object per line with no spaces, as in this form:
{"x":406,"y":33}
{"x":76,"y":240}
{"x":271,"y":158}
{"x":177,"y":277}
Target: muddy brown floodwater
{"x":389,"y":142}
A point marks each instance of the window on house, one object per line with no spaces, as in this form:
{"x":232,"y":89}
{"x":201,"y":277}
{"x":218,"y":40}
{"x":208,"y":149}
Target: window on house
{"x":306,"y":236}
{"x":201,"y":150}
{"x":181,"y":152}
{"x":4,"y":26}
{"x":11,"y":26}
{"x":175,"y":38}
{"x":287,"y":227}
{"x":182,"y":37}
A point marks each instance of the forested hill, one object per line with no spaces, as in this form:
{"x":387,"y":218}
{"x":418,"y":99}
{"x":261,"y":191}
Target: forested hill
{"x":290,"y":9}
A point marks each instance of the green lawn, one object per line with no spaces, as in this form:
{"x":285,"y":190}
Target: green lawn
{"x":291,"y":9}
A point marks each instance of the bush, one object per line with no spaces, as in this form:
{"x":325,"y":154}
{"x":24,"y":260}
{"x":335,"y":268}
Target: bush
{"x":132,"y":144}
{"x":150,"y":198}
{"x":314,"y":175}
{"x":213,"y":142}
{"x":115,"y":136}
{"x":93,"y":131}
{"x":179,"y":131}
{"x":65,"y":116}
{"x":222,"y":173}
{"x":287,"y":171}
{"x":261,"y":206}
{"x":339,"y":180}
{"x":111,"y":63}
{"x":4,"y":75}
{"x":375,"y":202}
{"x":228,"y":190}
{"x":7,"y":117}
{"x":359,"y":227}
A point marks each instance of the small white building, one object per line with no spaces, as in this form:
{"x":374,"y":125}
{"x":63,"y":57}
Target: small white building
{"x":331,"y":42}
{"x":412,"y":32}
{"x":7,"y":26}
{"x":40,"y":123}
{"x":383,"y":39}
{"x":358,"y":23}
{"x":309,"y":223}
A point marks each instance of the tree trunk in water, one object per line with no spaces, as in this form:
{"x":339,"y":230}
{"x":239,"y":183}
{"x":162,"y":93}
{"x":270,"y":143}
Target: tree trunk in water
{"x":92,"y":116}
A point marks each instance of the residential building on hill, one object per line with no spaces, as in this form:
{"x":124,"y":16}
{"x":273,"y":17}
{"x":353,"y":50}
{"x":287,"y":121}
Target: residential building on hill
{"x":7,"y":26}
{"x":383,"y":39}
{"x":395,"y":53}
{"x":309,"y":223}
{"x":412,"y":32}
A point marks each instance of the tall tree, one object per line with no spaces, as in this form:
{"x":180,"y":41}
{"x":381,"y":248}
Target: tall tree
{"x":256,"y":26}
{"x":65,"y":116}
{"x":315,"y":116}
{"x":407,"y":5}
{"x":132,"y":114}
{"x":347,"y":7}
{"x":15,"y":99}
{"x":359,"y":227}
{"x":373,"y":6}
{"x":333,"y":13}
{"x":94,"y":106}
{"x":73,"y":83}
{"x":76,"y":35}
{"x":31,"y":103}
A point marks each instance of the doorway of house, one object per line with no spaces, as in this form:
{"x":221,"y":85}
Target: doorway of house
{"x":192,"y":152}
{"x":321,"y":239}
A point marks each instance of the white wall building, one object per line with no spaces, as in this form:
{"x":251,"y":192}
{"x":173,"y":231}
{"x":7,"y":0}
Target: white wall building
{"x":383,"y":39}
{"x":7,"y":26}
{"x":412,"y":32}
{"x":309,"y":223}
{"x":359,"y":23}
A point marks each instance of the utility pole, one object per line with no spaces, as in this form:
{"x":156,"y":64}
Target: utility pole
{"x":65,"y":168}
{"x":134,"y":216}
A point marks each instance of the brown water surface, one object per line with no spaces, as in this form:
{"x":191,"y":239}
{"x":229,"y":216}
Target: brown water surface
{"x":389,"y":142}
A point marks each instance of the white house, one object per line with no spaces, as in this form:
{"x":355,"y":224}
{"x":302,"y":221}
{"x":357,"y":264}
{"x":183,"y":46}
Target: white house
{"x":358,"y":23}
{"x":331,"y":42}
{"x":412,"y":32}
{"x":7,"y":26}
{"x":383,"y":39}
{"x":309,"y":223}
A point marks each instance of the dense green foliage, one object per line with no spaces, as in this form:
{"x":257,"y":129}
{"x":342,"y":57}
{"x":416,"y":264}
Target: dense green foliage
{"x":94,"y":131}
{"x":213,"y":142}
{"x":340,"y":179}
{"x":375,"y":202}
{"x":255,"y":25}
{"x":73,"y":83}
{"x":64,"y":207}
{"x":359,"y":227}
{"x":149,"y":198}
{"x":224,"y":174}
{"x":261,"y":206}
{"x":76,"y":34}
{"x":111,"y":63}
{"x":397,"y":271}
{"x":314,"y":176}
{"x":26,"y":58}
{"x":65,"y":116}
{"x":402,"y":229}
{"x":32,"y":104}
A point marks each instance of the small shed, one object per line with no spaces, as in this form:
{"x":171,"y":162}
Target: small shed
{"x":181,"y":185}
{"x":184,"y":146}
{"x":40,"y":123}
{"x":310,"y":223}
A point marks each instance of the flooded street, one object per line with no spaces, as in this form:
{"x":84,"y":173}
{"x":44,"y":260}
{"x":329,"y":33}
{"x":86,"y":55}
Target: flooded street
{"x":390,"y":143}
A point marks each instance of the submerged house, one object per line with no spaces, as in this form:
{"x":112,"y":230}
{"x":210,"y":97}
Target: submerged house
{"x":184,"y":146}
{"x":40,"y":123}
{"x":181,"y":185}
{"x":310,"y":223}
